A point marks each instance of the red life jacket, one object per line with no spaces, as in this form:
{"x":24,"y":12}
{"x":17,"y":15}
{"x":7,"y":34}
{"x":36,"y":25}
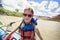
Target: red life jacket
{"x":27,"y":33}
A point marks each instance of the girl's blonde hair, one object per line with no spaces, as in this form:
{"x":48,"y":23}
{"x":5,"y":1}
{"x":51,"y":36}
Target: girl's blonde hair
{"x":29,"y":9}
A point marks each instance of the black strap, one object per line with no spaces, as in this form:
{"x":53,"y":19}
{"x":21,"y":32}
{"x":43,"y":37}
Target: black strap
{"x":26,"y":37}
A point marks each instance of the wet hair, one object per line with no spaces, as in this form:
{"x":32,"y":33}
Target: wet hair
{"x":29,"y":9}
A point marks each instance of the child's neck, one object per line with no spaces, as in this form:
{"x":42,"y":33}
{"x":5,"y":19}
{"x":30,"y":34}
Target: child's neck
{"x":27,"y":23}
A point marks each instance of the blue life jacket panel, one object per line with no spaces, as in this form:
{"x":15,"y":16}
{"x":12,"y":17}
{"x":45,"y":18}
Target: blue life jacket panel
{"x":28,"y":27}
{"x":34,"y":19}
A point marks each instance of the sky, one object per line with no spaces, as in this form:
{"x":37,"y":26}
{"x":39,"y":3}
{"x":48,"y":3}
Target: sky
{"x":41,"y":7}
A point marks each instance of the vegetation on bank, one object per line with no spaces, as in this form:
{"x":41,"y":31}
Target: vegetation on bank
{"x":10,"y":13}
{"x":57,"y":20}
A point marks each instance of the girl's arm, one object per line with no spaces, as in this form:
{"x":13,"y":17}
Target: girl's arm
{"x":8,"y":35}
{"x":15,"y":28}
{"x":38,"y":33}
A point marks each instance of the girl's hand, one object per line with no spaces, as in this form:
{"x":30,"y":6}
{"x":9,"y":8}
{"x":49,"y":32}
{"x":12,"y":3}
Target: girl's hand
{"x":4,"y":39}
{"x":41,"y":38}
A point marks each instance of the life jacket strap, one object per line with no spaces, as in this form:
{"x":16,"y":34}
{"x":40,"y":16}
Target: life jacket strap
{"x":27,"y":37}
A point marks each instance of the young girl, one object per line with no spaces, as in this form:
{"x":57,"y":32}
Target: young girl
{"x":27,"y":27}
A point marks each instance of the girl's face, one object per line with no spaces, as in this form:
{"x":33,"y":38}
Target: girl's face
{"x":27,"y":15}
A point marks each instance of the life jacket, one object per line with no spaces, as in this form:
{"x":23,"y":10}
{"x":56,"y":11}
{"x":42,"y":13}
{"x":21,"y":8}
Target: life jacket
{"x":26,"y":30}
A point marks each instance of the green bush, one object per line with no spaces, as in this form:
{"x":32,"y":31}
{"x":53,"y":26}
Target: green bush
{"x":10,"y":13}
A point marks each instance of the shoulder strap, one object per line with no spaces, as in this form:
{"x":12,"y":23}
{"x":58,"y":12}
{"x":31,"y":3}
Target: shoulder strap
{"x":20,"y":24}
